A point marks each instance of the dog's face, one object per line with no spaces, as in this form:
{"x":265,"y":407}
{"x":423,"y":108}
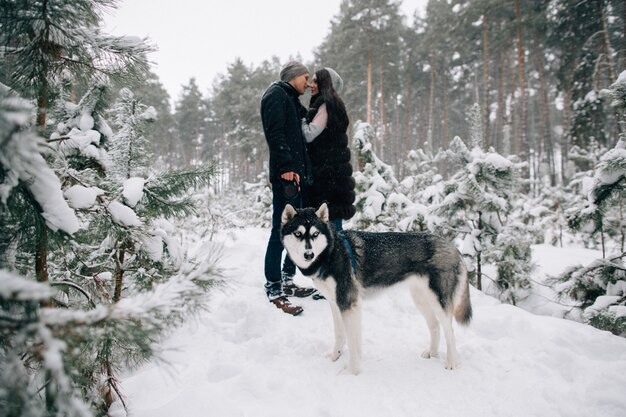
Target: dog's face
{"x":304,"y":233}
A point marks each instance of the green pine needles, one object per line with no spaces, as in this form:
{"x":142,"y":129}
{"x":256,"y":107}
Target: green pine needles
{"x":93,"y":273}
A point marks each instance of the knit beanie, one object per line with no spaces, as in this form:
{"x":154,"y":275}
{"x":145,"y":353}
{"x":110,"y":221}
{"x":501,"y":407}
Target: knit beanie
{"x":336,"y":79}
{"x":292,"y":70}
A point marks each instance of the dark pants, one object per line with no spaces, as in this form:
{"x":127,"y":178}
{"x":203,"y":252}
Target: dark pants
{"x":273,"y":255}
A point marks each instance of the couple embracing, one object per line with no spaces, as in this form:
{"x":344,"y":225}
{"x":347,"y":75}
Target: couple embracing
{"x":309,"y":163}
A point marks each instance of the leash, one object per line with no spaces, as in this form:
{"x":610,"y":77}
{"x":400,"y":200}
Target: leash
{"x":342,"y":235}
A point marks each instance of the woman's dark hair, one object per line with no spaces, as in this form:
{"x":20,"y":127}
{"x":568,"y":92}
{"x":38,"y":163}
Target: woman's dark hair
{"x":337,"y":115}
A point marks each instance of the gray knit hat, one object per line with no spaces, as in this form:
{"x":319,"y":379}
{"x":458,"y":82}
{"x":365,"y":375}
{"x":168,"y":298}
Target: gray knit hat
{"x":292,"y":70}
{"x":336,"y":79}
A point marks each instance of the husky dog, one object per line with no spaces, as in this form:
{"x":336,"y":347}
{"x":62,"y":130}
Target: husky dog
{"x":342,"y":265}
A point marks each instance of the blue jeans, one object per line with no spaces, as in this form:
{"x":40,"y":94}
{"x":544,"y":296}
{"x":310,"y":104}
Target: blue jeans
{"x":274,"y":252}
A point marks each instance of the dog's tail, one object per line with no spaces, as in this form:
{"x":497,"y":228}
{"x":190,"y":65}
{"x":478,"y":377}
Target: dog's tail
{"x":463,"y":306}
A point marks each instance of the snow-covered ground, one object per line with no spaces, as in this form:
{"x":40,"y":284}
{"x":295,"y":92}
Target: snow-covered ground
{"x":246,"y":358}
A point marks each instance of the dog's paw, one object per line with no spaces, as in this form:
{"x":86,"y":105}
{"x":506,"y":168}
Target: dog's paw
{"x":427,"y":354}
{"x":451,"y":364}
{"x":334,"y":354}
{"x":349,"y":370}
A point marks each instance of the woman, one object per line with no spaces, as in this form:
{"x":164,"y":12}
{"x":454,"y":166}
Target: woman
{"x":325,"y":129}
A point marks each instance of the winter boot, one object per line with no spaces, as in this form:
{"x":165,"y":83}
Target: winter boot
{"x":292,"y":290}
{"x":285,"y":305}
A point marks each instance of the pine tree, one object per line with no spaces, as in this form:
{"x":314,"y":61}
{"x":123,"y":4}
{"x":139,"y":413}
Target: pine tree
{"x":546,"y":214}
{"x":114,"y":277}
{"x":164,"y":144}
{"x":261,"y":195}
{"x":30,"y":192}
{"x":423,"y":186}
{"x":125,"y":254}
{"x":46,"y":43}
{"x":191,"y":118}
{"x":601,"y":213}
{"x":600,"y":289}
{"x":475,"y":207}
{"x":240,"y":128}
{"x":379,"y":206}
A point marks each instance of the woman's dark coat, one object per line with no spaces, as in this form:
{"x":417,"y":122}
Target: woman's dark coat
{"x":332,"y":171}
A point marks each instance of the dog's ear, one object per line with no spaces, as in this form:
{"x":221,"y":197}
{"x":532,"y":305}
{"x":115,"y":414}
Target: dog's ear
{"x":322,"y":212}
{"x":288,"y":213}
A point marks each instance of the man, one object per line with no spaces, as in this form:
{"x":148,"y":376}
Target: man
{"x":290,"y":174}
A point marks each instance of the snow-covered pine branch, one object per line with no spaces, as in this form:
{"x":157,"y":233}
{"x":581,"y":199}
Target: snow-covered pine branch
{"x":23,"y":165}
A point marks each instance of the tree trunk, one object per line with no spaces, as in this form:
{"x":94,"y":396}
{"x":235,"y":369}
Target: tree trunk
{"x":623,"y":52}
{"x":524,"y":144}
{"x":501,"y":112}
{"x":118,"y":275}
{"x":479,"y":271}
{"x":42,"y":104}
{"x":485,"y":109}
{"x":422,"y":123}
{"x":41,"y":256}
{"x":618,"y":129}
{"x":567,"y":104}
{"x":512,"y":120}
{"x":431,"y":102}
{"x":383,"y":116}
{"x":606,"y":42}
{"x":406,"y":142}
{"x":369,"y":86}
{"x":445,"y":134}
{"x":544,"y":113}
{"x":622,"y":225}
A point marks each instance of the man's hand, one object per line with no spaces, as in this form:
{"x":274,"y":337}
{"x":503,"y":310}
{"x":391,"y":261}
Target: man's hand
{"x":291,"y":176}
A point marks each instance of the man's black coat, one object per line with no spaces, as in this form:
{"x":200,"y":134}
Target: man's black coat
{"x":281,"y":112}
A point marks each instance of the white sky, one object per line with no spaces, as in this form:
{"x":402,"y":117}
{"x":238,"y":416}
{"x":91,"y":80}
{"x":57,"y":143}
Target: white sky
{"x":200,"y":38}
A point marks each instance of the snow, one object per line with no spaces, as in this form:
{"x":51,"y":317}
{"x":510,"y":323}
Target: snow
{"x":15,"y":287}
{"x":601,"y":303}
{"x":618,"y":288}
{"x":246,"y":358}
{"x":162,"y":232}
{"x":552,"y":261}
{"x":79,"y":197}
{"x":123,"y":215}
{"x":153,"y":245}
{"x":604,"y":175}
{"x":498,"y":162}
{"x":83,"y":142}
{"x":25,"y":162}
{"x":133,"y":190}
{"x":86,"y":122}
{"x":619,"y":311}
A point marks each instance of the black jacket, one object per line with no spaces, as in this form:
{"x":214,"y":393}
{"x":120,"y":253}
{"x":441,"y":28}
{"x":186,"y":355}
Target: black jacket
{"x":281,"y":112}
{"x":330,"y":158}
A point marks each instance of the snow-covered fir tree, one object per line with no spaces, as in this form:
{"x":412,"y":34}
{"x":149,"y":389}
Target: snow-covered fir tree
{"x":379,"y":206}
{"x":261,"y":193}
{"x":423,"y":186}
{"x":113,"y":278}
{"x":30,"y":193}
{"x":251,"y":205}
{"x":126,"y":249}
{"x":475,"y":209}
{"x":600,"y":289}
{"x":545,"y":214}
